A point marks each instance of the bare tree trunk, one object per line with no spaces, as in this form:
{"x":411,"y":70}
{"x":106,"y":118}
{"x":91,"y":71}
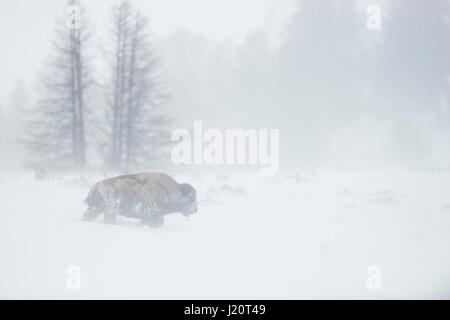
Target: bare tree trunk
{"x":123,"y":67}
{"x":73,"y":97}
{"x":133,"y":88}
{"x":130,"y":113}
{"x":80,"y":120}
{"x":55,"y":126}
{"x":116,"y":107}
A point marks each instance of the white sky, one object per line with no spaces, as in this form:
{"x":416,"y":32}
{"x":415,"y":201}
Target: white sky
{"x":26,"y":26}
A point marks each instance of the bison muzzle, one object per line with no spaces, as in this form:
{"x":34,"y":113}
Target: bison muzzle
{"x":146,"y":196}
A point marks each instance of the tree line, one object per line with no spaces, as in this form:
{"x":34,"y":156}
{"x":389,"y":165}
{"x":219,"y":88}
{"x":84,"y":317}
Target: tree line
{"x":337,"y":89}
{"x":122,"y":116}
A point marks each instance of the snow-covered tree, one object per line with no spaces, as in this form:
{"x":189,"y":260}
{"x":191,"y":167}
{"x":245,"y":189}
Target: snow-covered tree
{"x":409,"y":75}
{"x":56,"y":123}
{"x":135,"y":96}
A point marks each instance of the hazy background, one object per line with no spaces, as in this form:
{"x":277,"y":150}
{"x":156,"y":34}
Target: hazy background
{"x":341,"y":94}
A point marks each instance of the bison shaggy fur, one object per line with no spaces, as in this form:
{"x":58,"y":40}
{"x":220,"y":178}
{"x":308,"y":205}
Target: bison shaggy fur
{"x":147,"y":196}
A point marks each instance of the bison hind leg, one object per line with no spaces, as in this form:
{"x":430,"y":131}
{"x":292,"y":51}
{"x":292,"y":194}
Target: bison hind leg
{"x":153,"y":222}
{"x":91,"y":214}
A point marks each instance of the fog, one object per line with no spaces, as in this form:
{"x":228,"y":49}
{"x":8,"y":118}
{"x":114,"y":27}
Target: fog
{"x":358,"y":91}
{"x":344,"y":95}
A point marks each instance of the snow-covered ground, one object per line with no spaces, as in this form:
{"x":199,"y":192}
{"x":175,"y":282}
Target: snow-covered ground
{"x":290,"y":236}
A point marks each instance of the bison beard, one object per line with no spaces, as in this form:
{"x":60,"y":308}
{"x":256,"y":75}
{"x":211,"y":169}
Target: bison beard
{"x":147,"y":196}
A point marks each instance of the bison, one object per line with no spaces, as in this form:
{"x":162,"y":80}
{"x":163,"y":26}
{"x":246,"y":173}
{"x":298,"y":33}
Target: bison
{"x":148,"y":196}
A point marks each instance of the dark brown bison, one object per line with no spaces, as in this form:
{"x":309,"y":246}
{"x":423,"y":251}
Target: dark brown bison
{"x":147,"y":196}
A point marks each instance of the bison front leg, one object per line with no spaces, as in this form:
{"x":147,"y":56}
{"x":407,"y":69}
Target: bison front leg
{"x":151,"y":216}
{"x":110,"y":216}
{"x":91,"y":214}
{"x":153,"y":222}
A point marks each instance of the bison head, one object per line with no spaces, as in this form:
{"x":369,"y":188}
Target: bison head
{"x":188,"y":199}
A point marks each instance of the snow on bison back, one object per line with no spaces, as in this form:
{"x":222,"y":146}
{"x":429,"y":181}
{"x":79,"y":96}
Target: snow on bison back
{"x":148,"y":196}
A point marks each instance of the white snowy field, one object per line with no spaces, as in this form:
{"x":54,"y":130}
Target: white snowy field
{"x":290,"y":236}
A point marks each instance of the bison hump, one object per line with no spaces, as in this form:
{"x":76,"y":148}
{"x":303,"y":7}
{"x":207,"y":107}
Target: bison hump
{"x":154,"y":187}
